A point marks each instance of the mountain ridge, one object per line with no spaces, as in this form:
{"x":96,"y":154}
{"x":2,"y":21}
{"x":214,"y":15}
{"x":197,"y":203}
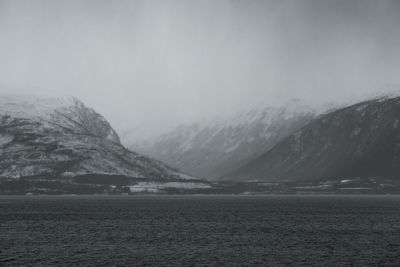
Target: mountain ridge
{"x":212,"y":148}
{"x":348,"y":142}
{"x":42,"y":136}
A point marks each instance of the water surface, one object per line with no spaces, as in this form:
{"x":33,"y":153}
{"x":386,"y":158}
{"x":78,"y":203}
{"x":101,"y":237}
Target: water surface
{"x":200,"y":230}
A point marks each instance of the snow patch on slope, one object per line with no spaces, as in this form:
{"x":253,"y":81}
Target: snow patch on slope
{"x":43,"y":137}
{"x":5,"y":139}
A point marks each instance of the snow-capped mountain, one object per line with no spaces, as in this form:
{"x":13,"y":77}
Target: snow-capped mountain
{"x":359,"y":141}
{"x":58,"y":138}
{"x":213,"y":149}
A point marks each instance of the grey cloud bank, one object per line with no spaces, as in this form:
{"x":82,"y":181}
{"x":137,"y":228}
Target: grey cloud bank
{"x":148,"y":65}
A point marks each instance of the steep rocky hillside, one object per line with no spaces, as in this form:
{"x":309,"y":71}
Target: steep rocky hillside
{"x":359,"y":141}
{"x":44,"y":137}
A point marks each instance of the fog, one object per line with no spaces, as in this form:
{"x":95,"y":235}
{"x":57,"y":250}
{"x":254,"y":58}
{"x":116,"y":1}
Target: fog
{"x":148,"y":65}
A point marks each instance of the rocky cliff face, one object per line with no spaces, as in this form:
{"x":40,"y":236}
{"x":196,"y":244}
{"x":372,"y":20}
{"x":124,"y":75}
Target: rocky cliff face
{"x":42,"y":137}
{"x":213,"y":149}
{"x":362,"y":140}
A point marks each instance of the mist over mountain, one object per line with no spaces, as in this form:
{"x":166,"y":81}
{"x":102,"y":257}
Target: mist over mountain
{"x":199,"y":132}
{"x":213,"y":148}
{"x":168,"y":62}
{"x":359,"y":141}
{"x":150,"y":66}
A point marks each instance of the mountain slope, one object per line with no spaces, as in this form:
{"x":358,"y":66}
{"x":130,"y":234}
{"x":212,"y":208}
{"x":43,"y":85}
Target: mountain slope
{"x":212,"y":149}
{"x":44,"y":137}
{"x":362,"y":140}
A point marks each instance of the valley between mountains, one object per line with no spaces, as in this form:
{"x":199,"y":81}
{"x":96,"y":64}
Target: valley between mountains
{"x":61,"y":146}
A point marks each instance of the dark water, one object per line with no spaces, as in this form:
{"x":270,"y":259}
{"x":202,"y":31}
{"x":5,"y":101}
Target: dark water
{"x":205,"y":231}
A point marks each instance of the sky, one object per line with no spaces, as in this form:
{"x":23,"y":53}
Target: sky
{"x":149,"y":65}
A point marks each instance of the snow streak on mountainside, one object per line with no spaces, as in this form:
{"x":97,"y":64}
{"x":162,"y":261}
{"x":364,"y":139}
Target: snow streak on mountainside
{"x":359,"y":141}
{"x":213,"y":149}
{"x":45,"y":137}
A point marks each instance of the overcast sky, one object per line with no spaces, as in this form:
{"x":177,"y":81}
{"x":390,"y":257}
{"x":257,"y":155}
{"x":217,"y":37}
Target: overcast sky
{"x":151,"y":64}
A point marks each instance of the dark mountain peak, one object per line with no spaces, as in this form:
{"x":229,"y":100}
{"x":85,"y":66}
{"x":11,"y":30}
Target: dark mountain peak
{"x":361,"y":140}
